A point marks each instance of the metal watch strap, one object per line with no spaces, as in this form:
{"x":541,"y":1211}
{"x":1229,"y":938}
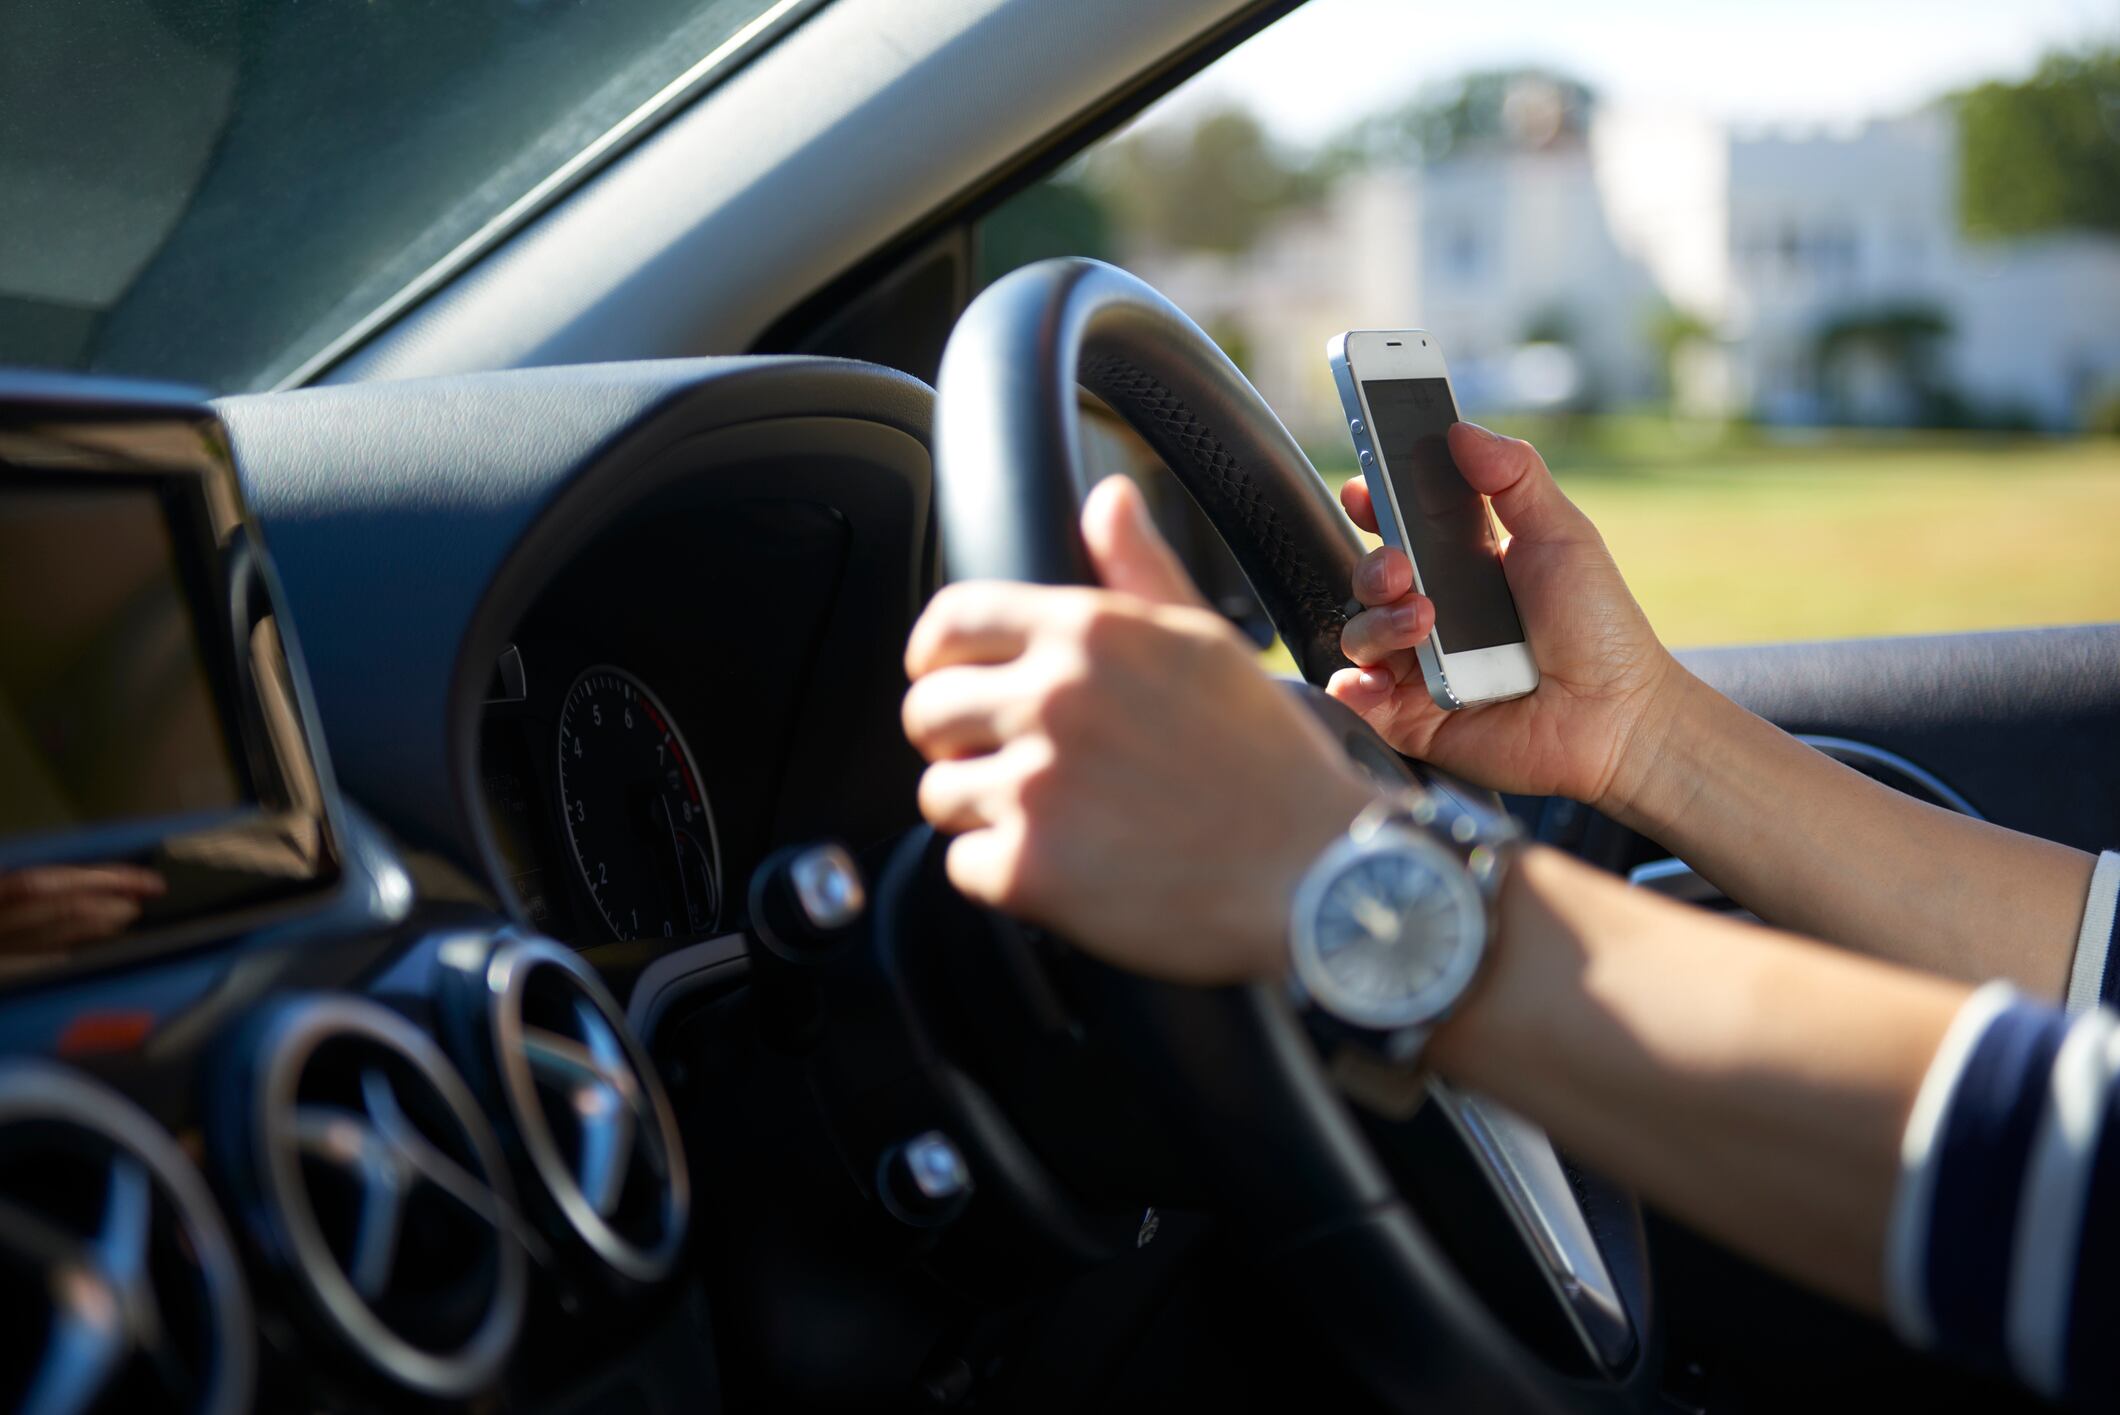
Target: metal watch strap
{"x":1484,"y":839}
{"x":1391,"y":1089}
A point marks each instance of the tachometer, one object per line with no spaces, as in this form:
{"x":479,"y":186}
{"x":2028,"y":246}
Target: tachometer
{"x":642,"y":832}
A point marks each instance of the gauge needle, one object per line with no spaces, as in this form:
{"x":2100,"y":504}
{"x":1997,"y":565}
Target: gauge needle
{"x":677,"y":852}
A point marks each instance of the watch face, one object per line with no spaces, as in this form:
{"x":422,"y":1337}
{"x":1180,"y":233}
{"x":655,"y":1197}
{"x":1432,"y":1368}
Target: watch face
{"x":1388,"y":934}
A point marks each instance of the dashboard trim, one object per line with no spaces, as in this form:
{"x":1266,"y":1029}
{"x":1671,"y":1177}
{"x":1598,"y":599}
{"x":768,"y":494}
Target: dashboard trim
{"x":672,"y":978}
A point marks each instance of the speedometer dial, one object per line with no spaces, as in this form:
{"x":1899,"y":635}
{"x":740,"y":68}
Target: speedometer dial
{"x":642,"y":832}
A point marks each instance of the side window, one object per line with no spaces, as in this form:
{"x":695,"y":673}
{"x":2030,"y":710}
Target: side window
{"x":1822,"y":359}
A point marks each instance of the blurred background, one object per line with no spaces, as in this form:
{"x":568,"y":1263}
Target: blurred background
{"x":1814,"y":306}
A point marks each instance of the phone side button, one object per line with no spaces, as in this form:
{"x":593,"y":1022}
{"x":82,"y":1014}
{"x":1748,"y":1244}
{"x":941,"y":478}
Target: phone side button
{"x":1368,"y":459}
{"x":1355,"y":427}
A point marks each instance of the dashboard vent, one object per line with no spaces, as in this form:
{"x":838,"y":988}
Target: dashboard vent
{"x":124,"y":1292}
{"x":380,"y":1189}
{"x":584,"y":1103}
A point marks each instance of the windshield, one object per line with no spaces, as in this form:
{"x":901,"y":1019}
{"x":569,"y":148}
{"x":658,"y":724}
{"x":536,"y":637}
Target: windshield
{"x":212,"y":191}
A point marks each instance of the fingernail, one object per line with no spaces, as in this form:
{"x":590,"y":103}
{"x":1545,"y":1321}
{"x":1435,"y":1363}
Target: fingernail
{"x":1406,"y":620}
{"x":1369,"y":576}
{"x":1490,"y":434}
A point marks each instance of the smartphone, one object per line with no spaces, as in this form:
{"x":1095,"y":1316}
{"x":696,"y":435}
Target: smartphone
{"x":1399,"y":406}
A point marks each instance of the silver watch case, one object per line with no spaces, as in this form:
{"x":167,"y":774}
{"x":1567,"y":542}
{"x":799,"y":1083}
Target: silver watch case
{"x":1404,"y":1020}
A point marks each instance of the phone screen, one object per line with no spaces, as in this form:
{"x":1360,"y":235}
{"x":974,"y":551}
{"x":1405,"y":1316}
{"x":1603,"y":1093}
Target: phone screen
{"x":1445,"y":522}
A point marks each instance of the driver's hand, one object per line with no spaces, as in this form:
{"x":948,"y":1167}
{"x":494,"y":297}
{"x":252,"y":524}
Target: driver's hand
{"x":1116,"y":766}
{"x":1589,"y":730}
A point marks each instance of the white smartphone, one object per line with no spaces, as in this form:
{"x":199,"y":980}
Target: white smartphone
{"x":1399,"y":406}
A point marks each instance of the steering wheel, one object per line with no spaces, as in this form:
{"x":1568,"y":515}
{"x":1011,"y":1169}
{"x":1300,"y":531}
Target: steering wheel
{"x":1258,"y":1112}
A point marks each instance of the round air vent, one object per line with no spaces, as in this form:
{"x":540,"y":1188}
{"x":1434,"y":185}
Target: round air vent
{"x":583,"y":1100}
{"x":124,"y":1292}
{"x":380,"y":1190}
{"x":592,"y":1123}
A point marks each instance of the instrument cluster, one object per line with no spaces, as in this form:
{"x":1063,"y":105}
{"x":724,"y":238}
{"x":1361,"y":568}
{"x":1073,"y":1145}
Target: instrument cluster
{"x":596,"y":803}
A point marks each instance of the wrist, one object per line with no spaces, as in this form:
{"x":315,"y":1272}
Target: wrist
{"x":1501,"y":1016}
{"x":1656,"y":768}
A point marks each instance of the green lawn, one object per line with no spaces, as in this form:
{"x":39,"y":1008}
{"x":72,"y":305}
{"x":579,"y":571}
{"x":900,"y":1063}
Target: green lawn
{"x":1740,"y":537}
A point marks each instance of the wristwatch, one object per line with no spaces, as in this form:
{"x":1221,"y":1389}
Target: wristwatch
{"x":1388,"y":930}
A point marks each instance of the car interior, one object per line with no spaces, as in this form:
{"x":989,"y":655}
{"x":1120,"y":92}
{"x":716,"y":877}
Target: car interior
{"x":549,"y":998}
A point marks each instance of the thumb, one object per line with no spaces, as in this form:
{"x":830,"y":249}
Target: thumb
{"x":1511,"y":473}
{"x":1130,"y":554}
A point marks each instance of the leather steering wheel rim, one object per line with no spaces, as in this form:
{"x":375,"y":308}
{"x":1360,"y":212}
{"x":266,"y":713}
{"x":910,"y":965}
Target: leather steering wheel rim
{"x":1258,"y":1107}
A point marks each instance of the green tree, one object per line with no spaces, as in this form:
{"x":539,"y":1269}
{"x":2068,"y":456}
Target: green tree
{"x":1054,"y":217}
{"x":1214,"y":185}
{"x":1674,"y":330}
{"x":2044,"y":154}
{"x":1907,"y":339}
{"x":1517,"y":108}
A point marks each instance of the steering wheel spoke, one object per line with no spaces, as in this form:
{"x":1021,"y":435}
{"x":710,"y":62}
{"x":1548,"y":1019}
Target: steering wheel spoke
{"x":1526,"y":1174}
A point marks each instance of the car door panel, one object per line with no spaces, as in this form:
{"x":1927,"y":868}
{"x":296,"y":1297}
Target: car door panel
{"x":2024,"y":723}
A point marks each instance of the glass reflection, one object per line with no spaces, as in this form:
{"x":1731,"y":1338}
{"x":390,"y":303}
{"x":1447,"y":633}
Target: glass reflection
{"x":47,"y":909}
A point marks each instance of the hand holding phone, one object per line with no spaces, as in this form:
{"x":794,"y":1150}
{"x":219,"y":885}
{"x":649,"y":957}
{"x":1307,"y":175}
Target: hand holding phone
{"x":1396,"y":392}
{"x":1607,"y":692}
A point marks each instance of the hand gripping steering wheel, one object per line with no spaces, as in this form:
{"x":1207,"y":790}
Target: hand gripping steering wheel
{"x":1290,"y":1160}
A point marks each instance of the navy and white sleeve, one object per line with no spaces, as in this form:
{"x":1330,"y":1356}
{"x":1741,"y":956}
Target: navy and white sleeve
{"x":2003,"y":1249}
{"x":2092,"y":979}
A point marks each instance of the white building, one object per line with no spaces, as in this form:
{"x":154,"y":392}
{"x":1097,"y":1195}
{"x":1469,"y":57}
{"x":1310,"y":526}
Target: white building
{"x":1590,"y":238}
{"x":1828,"y":226}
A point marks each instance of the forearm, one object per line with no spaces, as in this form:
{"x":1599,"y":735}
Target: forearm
{"x":1752,"y":1084}
{"x":1813,"y":846}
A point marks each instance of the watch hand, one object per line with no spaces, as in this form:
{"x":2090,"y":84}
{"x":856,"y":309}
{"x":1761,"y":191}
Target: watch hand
{"x":1377,"y":920}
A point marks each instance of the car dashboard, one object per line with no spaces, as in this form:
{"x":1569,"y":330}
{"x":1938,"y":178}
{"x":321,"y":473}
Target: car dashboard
{"x":361,"y":1108}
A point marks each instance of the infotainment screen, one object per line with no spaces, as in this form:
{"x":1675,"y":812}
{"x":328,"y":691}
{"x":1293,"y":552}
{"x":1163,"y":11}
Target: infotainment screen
{"x":108,"y":704}
{"x":162,"y":784}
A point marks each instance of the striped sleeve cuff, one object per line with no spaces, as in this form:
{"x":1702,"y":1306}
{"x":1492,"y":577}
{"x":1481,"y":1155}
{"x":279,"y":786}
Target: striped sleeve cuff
{"x":2092,"y":979}
{"x":2003,"y":1248}
{"x":1907,"y":1231}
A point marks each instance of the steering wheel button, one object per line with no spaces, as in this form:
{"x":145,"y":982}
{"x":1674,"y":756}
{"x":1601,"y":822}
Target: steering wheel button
{"x":924,"y":1181}
{"x":828,"y":886}
{"x":938,"y":1170}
